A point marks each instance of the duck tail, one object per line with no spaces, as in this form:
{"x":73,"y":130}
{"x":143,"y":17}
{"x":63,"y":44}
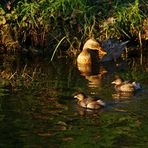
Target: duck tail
{"x":136,"y":85}
{"x":101,"y":102}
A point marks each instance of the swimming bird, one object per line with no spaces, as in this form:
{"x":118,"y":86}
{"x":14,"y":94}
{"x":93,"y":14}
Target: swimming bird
{"x":89,"y":102}
{"x":125,"y":86}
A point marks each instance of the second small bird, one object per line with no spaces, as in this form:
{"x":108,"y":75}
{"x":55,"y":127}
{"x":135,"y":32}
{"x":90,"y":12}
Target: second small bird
{"x":89,"y":102}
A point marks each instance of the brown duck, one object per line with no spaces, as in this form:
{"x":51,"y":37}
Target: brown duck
{"x":89,"y":102}
{"x":125,"y":86}
{"x":91,"y":51}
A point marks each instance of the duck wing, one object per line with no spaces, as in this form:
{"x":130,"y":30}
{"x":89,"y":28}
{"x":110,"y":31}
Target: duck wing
{"x":128,"y":87}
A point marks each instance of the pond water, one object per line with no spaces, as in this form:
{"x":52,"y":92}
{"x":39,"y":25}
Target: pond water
{"x":42,"y":112}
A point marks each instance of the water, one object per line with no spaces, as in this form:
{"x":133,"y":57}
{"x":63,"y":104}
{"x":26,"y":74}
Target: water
{"x":41,"y":111}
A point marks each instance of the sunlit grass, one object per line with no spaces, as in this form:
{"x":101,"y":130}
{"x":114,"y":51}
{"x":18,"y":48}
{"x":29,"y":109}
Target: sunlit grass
{"x":44,"y":22}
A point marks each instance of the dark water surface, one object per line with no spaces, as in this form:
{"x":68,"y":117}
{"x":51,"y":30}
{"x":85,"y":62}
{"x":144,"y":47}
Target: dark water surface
{"x":43,"y":112}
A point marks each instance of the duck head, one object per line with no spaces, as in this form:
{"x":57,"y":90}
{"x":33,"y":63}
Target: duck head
{"x":94,"y":45}
{"x":80,"y":96}
{"x":118,"y":81}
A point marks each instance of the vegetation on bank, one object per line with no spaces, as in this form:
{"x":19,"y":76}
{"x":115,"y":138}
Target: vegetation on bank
{"x":40,"y":25}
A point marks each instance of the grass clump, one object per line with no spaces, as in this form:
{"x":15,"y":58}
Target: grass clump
{"x":41,"y":24}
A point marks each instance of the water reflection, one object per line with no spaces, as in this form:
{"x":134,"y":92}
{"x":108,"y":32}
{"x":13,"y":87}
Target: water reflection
{"x":84,"y":112}
{"x":44,"y":114}
{"x":123,"y":95}
{"x":94,"y":73}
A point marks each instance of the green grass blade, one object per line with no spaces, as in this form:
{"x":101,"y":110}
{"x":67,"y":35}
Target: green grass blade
{"x":57,"y":48}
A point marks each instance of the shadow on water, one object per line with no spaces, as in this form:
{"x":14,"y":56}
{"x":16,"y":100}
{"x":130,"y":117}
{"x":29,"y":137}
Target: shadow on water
{"x":43,"y":113}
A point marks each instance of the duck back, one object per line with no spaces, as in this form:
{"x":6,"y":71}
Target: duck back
{"x":125,"y":87}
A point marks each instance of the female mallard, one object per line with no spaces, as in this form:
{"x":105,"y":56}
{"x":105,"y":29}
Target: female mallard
{"x":91,"y":52}
{"x":125,"y":86}
{"x":88,"y":102}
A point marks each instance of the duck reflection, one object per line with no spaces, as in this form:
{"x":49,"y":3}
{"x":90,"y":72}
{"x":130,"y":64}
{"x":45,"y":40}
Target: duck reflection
{"x":83,"y":111}
{"x":96,"y":80}
{"x":93,"y":73}
{"x":123,"y":95}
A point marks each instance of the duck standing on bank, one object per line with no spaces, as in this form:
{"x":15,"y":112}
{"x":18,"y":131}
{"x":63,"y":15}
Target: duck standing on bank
{"x":89,"y":102}
{"x":125,"y":86}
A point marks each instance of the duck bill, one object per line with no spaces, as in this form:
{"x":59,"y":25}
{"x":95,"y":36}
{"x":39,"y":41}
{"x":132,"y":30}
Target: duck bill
{"x":113,"y":82}
{"x":102,"y":52}
{"x":75,"y":97}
